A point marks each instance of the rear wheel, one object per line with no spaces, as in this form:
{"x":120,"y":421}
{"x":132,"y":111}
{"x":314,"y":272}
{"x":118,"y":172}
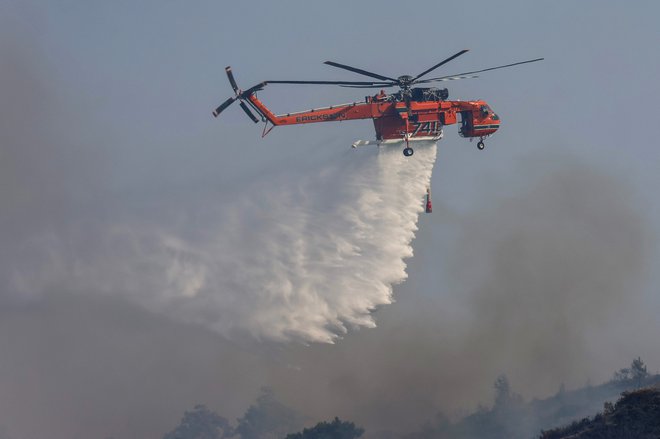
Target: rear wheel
{"x":480,"y":145}
{"x":408,"y":151}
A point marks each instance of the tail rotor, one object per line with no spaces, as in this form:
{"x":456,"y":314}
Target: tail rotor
{"x":241,"y":96}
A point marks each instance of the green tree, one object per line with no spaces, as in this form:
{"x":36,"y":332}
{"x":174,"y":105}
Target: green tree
{"x":638,"y":372}
{"x":267,"y":419}
{"x":201,"y":423}
{"x":502,"y":391}
{"x":329,"y":430}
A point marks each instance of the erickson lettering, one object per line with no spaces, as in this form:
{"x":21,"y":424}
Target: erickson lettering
{"x":318,"y":117}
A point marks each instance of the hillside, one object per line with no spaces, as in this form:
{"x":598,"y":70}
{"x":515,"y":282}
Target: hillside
{"x":635,"y":416}
{"x":512,"y":418}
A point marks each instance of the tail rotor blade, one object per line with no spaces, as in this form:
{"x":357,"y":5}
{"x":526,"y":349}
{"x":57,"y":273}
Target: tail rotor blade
{"x":232,"y":81}
{"x":224,"y":105}
{"x":248,"y":112}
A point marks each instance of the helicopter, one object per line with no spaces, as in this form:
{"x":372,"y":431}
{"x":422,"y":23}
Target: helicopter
{"x":409,"y":114}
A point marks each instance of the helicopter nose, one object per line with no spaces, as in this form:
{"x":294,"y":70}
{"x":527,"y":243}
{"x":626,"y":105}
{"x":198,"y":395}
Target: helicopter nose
{"x":493,"y":119}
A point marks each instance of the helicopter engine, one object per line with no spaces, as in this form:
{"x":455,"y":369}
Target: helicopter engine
{"x":429,"y":94}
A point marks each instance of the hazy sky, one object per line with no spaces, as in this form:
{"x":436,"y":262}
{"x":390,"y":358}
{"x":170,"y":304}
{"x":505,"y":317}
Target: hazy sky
{"x":539,"y":261}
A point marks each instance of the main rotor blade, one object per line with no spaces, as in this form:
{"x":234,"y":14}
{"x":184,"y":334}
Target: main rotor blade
{"x":248,"y":112}
{"x":360,"y":71}
{"x":456,"y":55}
{"x":224,"y":105}
{"x":446,"y":78}
{"x":486,"y":70}
{"x":328,"y":82}
{"x":232,"y":81}
{"x":371,"y":86}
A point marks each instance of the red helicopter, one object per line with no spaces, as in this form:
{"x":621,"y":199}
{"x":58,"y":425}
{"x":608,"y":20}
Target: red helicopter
{"x":412,"y":113}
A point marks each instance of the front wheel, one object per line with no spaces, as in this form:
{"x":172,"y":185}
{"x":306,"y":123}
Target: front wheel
{"x":408,"y":151}
{"x":480,"y":145}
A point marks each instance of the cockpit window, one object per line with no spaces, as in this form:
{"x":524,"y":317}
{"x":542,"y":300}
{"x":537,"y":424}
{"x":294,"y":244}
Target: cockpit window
{"x":486,"y":110}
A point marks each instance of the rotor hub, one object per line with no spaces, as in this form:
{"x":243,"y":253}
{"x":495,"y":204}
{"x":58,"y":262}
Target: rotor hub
{"x":405,"y":81}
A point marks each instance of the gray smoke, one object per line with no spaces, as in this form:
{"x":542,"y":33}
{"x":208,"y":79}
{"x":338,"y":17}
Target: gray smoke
{"x":543,"y":284}
{"x":298,"y":254}
{"x":542,"y":277}
{"x":564,"y":260}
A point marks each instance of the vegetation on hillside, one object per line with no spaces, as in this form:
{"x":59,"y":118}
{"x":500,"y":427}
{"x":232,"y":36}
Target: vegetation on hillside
{"x":509,"y":417}
{"x":336,"y":429}
{"x":512,"y":418}
{"x":635,"y":416}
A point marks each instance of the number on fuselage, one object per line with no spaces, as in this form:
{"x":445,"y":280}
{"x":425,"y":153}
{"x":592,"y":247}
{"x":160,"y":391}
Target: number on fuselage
{"x":427,"y":128}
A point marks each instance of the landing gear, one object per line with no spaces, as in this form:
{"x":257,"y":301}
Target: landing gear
{"x":480,"y":145}
{"x":408,"y":151}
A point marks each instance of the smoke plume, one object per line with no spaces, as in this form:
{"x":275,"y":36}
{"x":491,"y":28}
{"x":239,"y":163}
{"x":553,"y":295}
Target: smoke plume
{"x":540,"y":281}
{"x":537,"y":280}
{"x":299,"y":253}
{"x":288,"y":257}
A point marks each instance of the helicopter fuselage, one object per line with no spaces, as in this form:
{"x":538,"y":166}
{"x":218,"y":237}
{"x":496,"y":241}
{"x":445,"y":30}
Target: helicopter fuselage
{"x":410,"y":114}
